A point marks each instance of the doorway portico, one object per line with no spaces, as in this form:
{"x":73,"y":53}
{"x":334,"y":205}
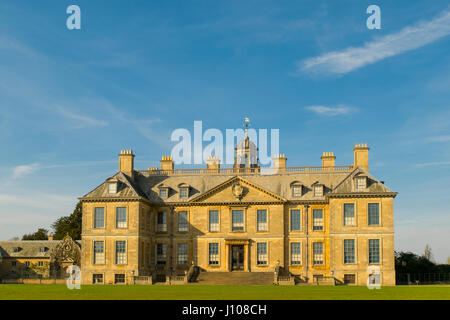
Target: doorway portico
{"x":238,"y":254}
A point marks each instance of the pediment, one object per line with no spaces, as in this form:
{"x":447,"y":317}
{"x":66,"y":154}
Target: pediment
{"x":237,"y":189}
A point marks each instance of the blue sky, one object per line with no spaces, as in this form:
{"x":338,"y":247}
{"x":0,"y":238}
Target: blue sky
{"x":137,"y":70}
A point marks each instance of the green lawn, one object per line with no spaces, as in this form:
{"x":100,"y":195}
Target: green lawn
{"x":20,"y":291}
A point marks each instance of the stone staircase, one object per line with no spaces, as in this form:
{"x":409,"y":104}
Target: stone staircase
{"x":234,"y":278}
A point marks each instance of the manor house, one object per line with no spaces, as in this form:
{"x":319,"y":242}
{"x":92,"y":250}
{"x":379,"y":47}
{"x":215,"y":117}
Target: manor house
{"x":309,"y":224}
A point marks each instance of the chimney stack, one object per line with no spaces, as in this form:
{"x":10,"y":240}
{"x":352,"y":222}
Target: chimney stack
{"x":361,"y":154}
{"x":328,"y":159}
{"x":279,"y":162}
{"x":166,"y":163}
{"x":50,"y":236}
{"x":126,"y":162}
{"x":213,"y":162}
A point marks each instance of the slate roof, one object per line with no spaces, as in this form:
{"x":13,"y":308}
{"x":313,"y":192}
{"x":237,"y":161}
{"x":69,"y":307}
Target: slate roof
{"x":29,"y":248}
{"x":148,"y":186}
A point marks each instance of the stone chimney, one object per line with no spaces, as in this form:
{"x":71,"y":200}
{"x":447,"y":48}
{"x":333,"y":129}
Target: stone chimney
{"x":328,"y":159}
{"x":361,"y":154}
{"x":166,"y":163}
{"x":213,"y":162}
{"x":279,"y":162}
{"x":126,"y":162}
{"x":50,"y":236}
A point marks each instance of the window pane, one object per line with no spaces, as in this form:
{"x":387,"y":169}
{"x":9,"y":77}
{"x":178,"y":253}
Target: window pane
{"x":374,"y":251}
{"x":161,"y":222}
{"x":183,"y":221}
{"x":214,"y":220}
{"x":295,"y":253}
{"x":295,"y":220}
{"x":119,"y":278}
{"x":121,"y":254}
{"x":237,"y":220}
{"x":121,"y":217}
{"x":214,"y":253}
{"x":349,"y":278}
{"x":349,"y":214}
{"x":374,"y":214}
{"x":261,"y":249}
{"x":161,"y":253}
{"x":183,"y":192}
{"x":112,"y":188}
{"x":318,"y":191}
{"x":318,"y":253}
{"x":99,"y":255}
{"x":163,"y":193}
{"x":296,"y":191}
{"x":317,"y":219}
{"x":261,"y":220}
{"x":349,"y":251}
{"x":99,"y":218}
{"x":182,"y":250}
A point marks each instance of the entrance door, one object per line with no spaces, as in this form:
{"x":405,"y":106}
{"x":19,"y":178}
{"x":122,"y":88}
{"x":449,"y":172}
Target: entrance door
{"x":237,"y":257}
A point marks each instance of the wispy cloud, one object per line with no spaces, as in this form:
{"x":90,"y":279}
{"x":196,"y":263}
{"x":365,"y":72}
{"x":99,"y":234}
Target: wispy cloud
{"x":23,"y":170}
{"x":432,"y":164}
{"x":443,"y":138}
{"x":81,"y":120}
{"x":352,"y":58}
{"x":332,"y":111}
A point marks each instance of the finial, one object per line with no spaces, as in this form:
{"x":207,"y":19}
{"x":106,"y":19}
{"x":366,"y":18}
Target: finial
{"x":246,"y":125}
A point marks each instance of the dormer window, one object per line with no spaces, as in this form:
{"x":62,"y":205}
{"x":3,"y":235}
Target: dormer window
{"x":184,"y":192}
{"x":296,"y":189}
{"x":318,"y":190}
{"x":112,"y":187}
{"x":163,"y":193}
{"x":16,"y":249}
{"x":43,"y":249}
{"x":361,"y":183}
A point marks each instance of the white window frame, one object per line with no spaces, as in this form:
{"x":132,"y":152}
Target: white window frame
{"x":214,"y":257}
{"x":296,"y":194}
{"x":262,"y":226}
{"x":183,"y":255}
{"x":122,"y":224}
{"x":184,"y":190}
{"x":300,"y":220}
{"x":354,"y":215}
{"x":112,"y":187}
{"x":98,"y":257}
{"x":183,"y":227}
{"x":322,"y":255}
{"x":299,"y":255}
{"x":233,"y":225}
{"x":318,"y":222}
{"x":316,"y":193}
{"x":214,"y":227}
{"x":123,"y":258}
{"x":264,"y":256}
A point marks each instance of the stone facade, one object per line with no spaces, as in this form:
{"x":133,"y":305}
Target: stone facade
{"x":38,"y":259}
{"x":159,"y":222}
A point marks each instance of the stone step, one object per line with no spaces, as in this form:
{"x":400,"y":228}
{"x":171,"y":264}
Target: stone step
{"x":235,"y":278}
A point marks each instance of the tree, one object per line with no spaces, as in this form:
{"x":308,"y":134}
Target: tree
{"x":69,"y":225}
{"x":427,"y":254}
{"x":41,"y":234}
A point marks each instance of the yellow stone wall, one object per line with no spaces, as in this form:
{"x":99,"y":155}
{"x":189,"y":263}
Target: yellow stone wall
{"x":142,"y":237}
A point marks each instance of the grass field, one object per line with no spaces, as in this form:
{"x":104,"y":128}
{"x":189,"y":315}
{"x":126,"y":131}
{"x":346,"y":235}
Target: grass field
{"x":46,"y":292}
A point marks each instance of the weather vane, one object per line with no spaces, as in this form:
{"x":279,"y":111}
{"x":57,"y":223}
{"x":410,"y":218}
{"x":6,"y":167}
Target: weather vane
{"x":246,"y":124}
